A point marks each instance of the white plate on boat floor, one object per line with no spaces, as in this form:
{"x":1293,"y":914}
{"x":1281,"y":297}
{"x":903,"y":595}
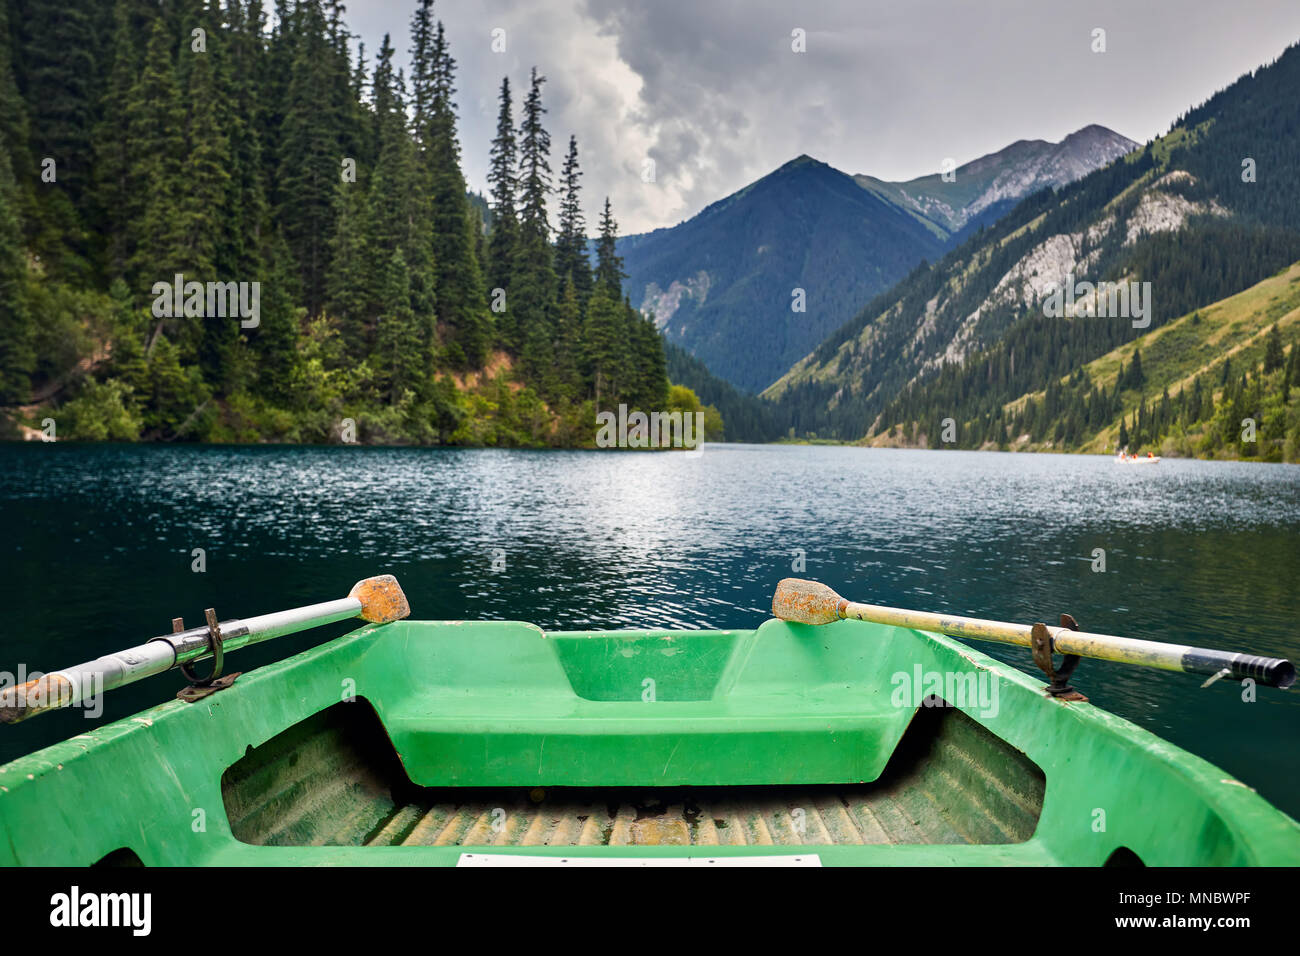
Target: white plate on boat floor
{"x":522,"y":859}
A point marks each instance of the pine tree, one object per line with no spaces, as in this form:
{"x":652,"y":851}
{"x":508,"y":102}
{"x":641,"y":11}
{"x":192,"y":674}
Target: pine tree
{"x":1136,"y":378}
{"x":310,"y":154}
{"x":116,"y":204}
{"x":1273,"y":357}
{"x":365,"y":149}
{"x":534,"y":164}
{"x":533,"y":288}
{"x":603,"y":345}
{"x":276,"y":340}
{"x":54,"y":63}
{"x":398,"y":341}
{"x":347,"y":112}
{"x":647,"y":361}
{"x":17,"y":357}
{"x":502,"y":246}
{"x":201,"y":214}
{"x":423,"y":68}
{"x":457,"y":280}
{"x":202,"y":207}
{"x":15,"y":130}
{"x":350,"y":287}
{"x":155,"y":145}
{"x":60,"y":75}
{"x":571,"y":263}
{"x":568,"y":341}
{"x":245,"y":244}
{"x":275,"y":76}
{"x":398,"y":201}
{"x":609,"y":264}
{"x":392,"y":184}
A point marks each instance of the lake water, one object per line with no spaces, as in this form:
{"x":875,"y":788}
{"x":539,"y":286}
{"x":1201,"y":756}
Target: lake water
{"x":96,"y":550}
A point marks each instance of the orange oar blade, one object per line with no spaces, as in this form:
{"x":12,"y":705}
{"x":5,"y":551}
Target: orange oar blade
{"x":806,"y":602}
{"x":381,"y":599}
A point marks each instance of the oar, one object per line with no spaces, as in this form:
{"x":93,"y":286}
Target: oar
{"x":808,"y":602}
{"x":377,"y":600}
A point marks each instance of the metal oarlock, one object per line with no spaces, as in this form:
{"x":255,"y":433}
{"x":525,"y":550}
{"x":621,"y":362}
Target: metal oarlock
{"x":201,"y":687}
{"x":1042,"y":646}
{"x":378,"y":600}
{"x":214,"y":645}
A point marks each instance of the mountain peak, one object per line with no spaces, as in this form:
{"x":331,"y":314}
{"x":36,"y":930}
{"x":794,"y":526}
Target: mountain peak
{"x":803,"y":159}
{"x":985,"y":187}
{"x":1096,"y":130}
{"x":720,"y":284}
{"x":1095,"y":138}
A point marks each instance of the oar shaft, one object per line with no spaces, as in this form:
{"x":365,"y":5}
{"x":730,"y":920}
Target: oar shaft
{"x":1274,"y":672}
{"x":968,"y":627}
{"x":278,"y":623}
{"x":193,"y":644}
{"x":74,"y":684}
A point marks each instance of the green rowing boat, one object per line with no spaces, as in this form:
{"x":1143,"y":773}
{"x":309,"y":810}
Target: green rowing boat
{"x":843,"y":742}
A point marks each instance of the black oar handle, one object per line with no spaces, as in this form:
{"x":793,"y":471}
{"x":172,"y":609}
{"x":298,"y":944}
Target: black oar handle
{"x":1269,"y":671}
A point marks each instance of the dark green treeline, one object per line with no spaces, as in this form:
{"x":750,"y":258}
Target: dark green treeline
{"x":142,"y":140}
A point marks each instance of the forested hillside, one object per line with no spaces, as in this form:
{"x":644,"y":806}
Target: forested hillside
{"x":141,"y":141}
{"x":746,"y":417}
{"x":753,"y":281}
{"x":1220,"y":381}
{"x":758,"y":278}
{"x":1202,"y":213}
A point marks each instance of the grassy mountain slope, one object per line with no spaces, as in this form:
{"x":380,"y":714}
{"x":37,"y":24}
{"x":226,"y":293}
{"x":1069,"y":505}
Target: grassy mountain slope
{"x":1191,"y":366}
{"x":1232,"y":330}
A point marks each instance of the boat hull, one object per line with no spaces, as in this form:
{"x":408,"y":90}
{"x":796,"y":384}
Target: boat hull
{"x":432,"y":743}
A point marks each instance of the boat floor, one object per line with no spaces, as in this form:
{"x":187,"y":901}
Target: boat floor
{"x":334,"y":780}
{"x":723,"y":816}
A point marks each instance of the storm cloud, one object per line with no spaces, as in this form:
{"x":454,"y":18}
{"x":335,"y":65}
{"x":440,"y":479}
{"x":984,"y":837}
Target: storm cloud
{"x":714,"y":94}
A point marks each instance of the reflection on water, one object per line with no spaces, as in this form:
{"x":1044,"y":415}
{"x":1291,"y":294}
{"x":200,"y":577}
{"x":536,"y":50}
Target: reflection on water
{"x":97,"y":544}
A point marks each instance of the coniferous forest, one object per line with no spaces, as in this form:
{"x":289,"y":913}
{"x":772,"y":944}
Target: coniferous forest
{"x":225,"y":143}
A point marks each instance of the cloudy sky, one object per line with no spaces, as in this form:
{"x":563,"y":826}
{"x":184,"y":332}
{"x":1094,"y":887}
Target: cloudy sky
{"x":713,"y":93}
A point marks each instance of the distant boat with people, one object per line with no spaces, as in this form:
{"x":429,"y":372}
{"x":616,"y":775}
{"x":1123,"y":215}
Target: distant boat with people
{"x":1124,"y":458}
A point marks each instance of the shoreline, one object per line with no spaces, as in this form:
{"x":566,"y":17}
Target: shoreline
{"x":812,"y":443}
